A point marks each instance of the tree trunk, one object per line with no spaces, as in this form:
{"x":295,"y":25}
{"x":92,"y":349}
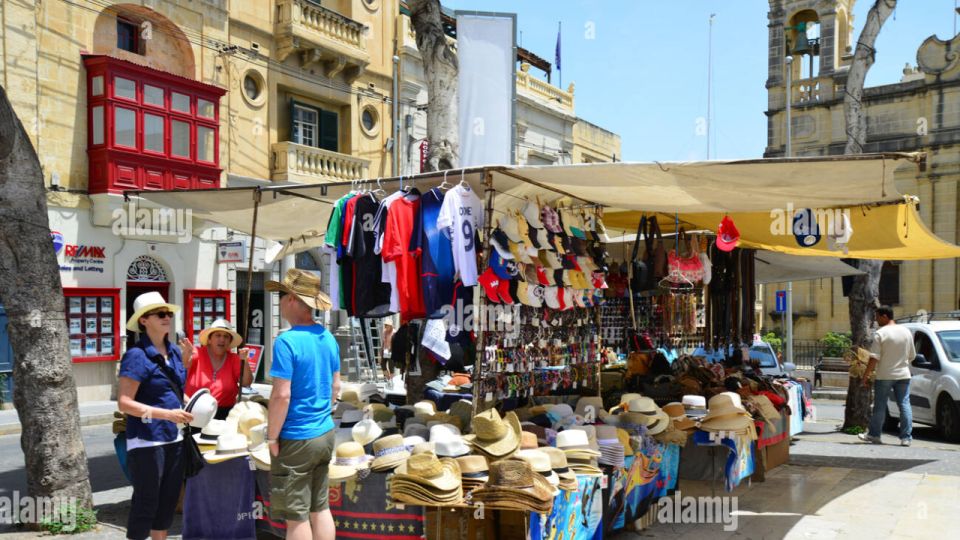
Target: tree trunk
{"x":440,"y":67}
{"x":45,"y":394}
{"x":866,"y":288}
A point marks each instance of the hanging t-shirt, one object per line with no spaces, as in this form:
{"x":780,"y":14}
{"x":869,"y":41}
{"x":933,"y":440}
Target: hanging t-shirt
{"x":388,"y":268}
{"x":334,"y":230}
{"x":396,"y":247}
{"x":346,"y":263}
{"x":436,"y":256}
{"x":370,"y":297}
{"x":460,"y":217}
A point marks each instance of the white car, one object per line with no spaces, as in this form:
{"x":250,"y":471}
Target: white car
{"x":935,"y":386}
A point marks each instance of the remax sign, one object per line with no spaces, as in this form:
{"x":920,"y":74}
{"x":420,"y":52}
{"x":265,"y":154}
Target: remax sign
{"x":78,"y":258}
{"x":57,"y":241}
{"x":84,"y":252}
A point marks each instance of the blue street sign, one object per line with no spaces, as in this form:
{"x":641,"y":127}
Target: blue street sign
{"x":781,"y":301}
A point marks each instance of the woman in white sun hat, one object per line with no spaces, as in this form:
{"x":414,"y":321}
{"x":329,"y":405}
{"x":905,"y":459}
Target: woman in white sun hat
{"x":214,"y":366}
{"x":150,"y":391}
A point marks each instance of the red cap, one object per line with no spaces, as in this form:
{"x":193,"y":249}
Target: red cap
{"x":727,"y":235}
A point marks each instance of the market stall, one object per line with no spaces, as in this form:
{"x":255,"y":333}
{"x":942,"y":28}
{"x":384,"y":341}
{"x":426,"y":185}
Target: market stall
{"x":591,"y":381}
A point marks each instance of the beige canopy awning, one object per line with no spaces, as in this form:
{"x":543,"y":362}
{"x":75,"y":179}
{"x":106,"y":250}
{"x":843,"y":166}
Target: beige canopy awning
{"x":297,"y":215}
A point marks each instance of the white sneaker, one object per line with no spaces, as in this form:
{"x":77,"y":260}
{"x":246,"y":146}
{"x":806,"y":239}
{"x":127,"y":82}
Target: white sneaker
{"x":866,"y":437}
{"x":904,"y":442}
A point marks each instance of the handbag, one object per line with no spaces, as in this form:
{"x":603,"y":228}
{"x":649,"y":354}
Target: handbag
{"x":656,"y":253}
{"x":193,"y":460}
{"x":640,"y":275}
{"x":682,"y":269}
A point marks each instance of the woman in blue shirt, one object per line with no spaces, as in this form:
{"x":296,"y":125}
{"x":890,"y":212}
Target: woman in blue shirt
{"x":152,"y":404}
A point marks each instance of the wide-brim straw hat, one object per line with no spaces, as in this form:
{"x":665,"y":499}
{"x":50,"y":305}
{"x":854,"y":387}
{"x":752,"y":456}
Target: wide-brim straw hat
{"x":389,"y":452}
{"x":515,"y":481}
{"x":350,"y":458}
{"x":221,"y":325}
{"x":438,"y":474}
{"x":306,"y":285}
{"x":581,"y":467}
{"x":473,"y":470}
{"x":734,"y":422}
{"x":150,"y":301}
{"x":494,"y":435}
{"x":660,"y":423}
{"x":724,"y":404}
{"x":229,"y":446}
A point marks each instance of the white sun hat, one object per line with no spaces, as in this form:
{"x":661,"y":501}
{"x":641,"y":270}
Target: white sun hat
{"x":144,"y":303}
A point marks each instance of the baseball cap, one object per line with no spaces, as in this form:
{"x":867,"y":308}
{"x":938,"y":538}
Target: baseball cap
{"x":727,"y":235}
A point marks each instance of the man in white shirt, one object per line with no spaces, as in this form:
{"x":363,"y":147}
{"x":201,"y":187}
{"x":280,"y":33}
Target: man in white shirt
{"x":890,"y":356}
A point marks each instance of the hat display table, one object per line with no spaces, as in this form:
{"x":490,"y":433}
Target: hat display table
{"x":632,"y":491}
{"x":702,"y":455}
{"x":219,"y":502}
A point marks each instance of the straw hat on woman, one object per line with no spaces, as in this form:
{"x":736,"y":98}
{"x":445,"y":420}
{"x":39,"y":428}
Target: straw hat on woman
{"x":214,"y":366}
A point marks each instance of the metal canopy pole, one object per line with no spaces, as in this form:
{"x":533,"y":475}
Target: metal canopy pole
{"x":257,"y":194}
{"x":481,"y":334}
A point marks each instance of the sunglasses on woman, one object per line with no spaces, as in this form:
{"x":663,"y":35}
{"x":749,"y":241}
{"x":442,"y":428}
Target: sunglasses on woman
{"x":162,"y":314}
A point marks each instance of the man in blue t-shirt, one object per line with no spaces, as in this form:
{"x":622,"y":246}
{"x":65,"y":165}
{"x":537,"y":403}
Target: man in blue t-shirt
{"x":306,"y":381}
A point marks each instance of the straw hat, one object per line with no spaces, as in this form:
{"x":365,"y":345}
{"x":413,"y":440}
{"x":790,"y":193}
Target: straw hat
{"x":229,"y":446}
{"x":221,"y":325}
{"x":643,"y":405}
{"x":528,"y":440}
{"x":462,"y":409}
{"x":624,"y":439}
{"x":343,"y":407}
{"x":366,"y":431}
{"x":254,"y":413}
{"x":350,"y":458}
{"x":430,"y":471}
{"x":582,"y":466}
{"x":203,"y":406}
{"x":660,"y":423}
{"x":426,"y":447}
{"x":590,"y":401}
{"x":558,"y":461}
{"x":351,"y":397}
{"x":576,"y":444}
{"x":147,"y":302}
{"x":412,"y":441}
{"x":425,"y":408}
{"x":306,"y":285}
{"x":350,"y":418}
{"x":591,"y":432}
{"x":474,"y":471}
{"x":514,"y":486}
{"x":540,"y":463}
{"x":678,"y":414}
{"x":389,"y":452}
{"x":493,"y":435}
{"x":695,"y":405}
{"x":210,"y":433}
{"x":767,"y":410}
{"x":447,"y":441}
{"x":258,"y":448}
{"x":724,"y":404}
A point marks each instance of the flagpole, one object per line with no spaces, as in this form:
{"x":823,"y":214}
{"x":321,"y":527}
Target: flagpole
{"x":559,"y":70}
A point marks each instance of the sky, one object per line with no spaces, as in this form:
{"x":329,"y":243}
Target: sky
{"x":640,"y":66}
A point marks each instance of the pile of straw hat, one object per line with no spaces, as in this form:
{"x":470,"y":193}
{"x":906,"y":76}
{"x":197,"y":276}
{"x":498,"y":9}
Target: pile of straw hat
{"x":725,"y":413}
{"x":513,"y":485}
{"x":474,"y":472}
{"x":349,"y":459}
{"x":558,"y":462}
{"x":427,"y":480}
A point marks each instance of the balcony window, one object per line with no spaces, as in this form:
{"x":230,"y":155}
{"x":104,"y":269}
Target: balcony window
{"x":311,"y":126}
{"x":149,"y":129}
{"x":152,"y":95}
{"x":153,"y":133}
{"x":125,"y":88}
{"x":205,"y":144}
{"x":125,"y":127}
{"x":179,"y":138}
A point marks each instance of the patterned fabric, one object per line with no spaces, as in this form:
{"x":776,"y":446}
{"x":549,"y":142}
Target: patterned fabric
{"x":740,"y":462}
{"x":550,"y":219}
{"x":576,"y":515}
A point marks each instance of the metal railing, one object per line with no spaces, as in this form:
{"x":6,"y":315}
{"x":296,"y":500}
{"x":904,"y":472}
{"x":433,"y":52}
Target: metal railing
{"x":807,"y":353}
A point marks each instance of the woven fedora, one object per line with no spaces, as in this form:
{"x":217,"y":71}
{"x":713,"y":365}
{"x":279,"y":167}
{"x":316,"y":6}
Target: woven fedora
{"x":306,"y":285}
{"x":540,"y":463}
{"x":428,"y":470}
{"x":349,"y":459}
{"x":514,"y":486}
{"x":425,"y":408}
{"x":493,"y":435}
{"x":389,"y":452}
{"x":558,"y":462}
{"x":576,"y":443}
{"x":679,"y":416}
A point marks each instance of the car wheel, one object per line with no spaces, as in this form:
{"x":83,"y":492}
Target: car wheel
{"x":948,"y":419}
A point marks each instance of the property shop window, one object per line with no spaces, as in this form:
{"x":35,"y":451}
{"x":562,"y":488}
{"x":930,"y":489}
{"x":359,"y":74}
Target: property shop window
{"x":202,"y":307}
{"x":890,"y":283}
{"x":93,"y":323}
{"x":312,"y":126}
{"x":128,"y":36}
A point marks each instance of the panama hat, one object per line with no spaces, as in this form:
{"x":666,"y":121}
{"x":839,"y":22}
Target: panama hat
{"x":229,"y":446}
{"x":366,"y":431}
{"x":389,"y":452}
{"x":724,"y":404}
{"x":306,"y":285}
{"x":493,"y":435}
{"x":350,"y":458}
{"x":474,"y":472}
{"x":576,"y":443}
{"x":643,"y":405}
{"x":514,"y":486}
{"x":210,"y":433}
{"x":149,"y":301}
{"x":221,"y":325}
{"x":412,"y":441}
{"x":202,"y":405}
{"x":425,"y":408}
{"x":625,"y":400}
{"x":258,"y":448}
{"x":659,"y":424}
{"x":447,"y":441}
{"x":566,"y":475}
{"x":248,"y":410}
{"x":540,"y":463}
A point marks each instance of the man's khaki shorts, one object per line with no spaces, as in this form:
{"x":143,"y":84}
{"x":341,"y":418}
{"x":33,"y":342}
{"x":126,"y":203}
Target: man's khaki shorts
{"x":298,"y":477}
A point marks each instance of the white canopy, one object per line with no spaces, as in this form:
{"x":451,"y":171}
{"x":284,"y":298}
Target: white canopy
{"x":773,"y":267}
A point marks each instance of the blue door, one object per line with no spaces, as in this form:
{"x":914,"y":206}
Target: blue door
{"x":6,"y":361}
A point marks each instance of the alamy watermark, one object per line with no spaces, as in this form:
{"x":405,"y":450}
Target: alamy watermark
{"x":806,"y":222}
{"x":698,"y":510}
{"x":168,"y":222}
{"x":503,"y":318}
{"x":27,"y":509}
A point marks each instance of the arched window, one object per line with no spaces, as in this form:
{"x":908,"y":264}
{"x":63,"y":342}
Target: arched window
{"x":146,"y":268}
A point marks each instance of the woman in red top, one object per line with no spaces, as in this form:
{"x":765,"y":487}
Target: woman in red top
{"x":213,"y":366}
